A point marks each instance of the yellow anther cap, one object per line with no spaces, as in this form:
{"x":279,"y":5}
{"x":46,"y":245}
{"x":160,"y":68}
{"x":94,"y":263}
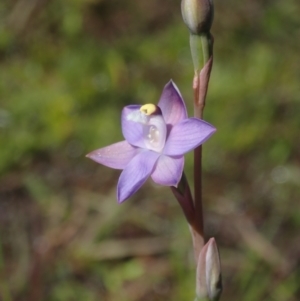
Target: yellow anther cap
{"x":148,"y":109}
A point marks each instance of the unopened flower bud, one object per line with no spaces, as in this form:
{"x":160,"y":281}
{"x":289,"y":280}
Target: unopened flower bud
{"x":197,"y":15}
{"x":209,"y":282}
{"x":213,"y":271}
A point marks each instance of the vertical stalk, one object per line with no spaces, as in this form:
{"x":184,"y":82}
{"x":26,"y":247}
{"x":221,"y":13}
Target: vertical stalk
{"x":198,"y":113}
{"x":200,"y":85}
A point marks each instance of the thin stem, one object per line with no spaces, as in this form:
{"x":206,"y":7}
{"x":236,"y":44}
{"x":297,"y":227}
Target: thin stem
{"x":193,"y":209}
{"x":200,"y":85}
{"x":184,"y":197}
{"x":198,"y":112}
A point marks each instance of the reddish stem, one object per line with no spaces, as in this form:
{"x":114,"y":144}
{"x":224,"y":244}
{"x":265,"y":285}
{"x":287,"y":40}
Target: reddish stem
{"x":200,"y":87}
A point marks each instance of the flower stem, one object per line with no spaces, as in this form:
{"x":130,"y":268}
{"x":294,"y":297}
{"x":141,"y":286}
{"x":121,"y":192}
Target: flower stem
{"x":193,"y":210}
{"x":184,"y":197}
{"x":200,"y":86}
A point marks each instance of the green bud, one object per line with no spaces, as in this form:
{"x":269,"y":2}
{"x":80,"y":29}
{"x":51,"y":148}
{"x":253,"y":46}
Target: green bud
{"x":198,"y":15}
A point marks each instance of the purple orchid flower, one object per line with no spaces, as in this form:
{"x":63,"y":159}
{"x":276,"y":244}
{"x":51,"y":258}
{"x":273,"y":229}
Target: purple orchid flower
{"x":156,"y":138}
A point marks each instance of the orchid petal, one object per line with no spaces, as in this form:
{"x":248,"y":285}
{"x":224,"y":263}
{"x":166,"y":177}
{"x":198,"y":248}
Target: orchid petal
{"x":135,"y":174}
{"x":132,"y":129}
{"x":187,"y":135}
{"x":116,"y":156}
{"x":172,"y":105}
{"x":168,"y":170}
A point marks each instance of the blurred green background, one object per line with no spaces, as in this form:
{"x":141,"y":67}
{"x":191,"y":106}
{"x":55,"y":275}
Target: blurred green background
{"x":67,"y":68}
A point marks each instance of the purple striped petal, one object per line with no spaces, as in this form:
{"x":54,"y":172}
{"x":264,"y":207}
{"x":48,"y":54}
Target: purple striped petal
{"x":135,"y":174}
{"x":168,"y":170}
{"x":187,"y":135}
{"x":132,"y":130}
{"x":116,"y":156}
{"x":172,"y":105}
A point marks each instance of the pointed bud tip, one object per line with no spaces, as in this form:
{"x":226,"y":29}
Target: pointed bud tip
{"x":209,"y":281}
{"x":213,"y":271}
{"x":197,"y":15}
